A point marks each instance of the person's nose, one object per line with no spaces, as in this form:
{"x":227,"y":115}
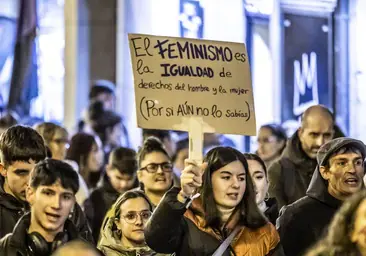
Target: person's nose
{"x":235,"y":183}
{"x":56,"y":202}
{"x":320,"y":141}
{"x":139,"y":221}
{"x":160,"y":169}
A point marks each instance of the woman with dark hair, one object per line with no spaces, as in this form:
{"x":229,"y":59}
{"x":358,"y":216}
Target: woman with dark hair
{"x":271,"y":140}
{"x":223,"y":220}
{"x":347,"y":231}
{"x":86,"y":150}
{"x":122,"y":230}
{"x":258,"y":172}
{"x":155,"y":170}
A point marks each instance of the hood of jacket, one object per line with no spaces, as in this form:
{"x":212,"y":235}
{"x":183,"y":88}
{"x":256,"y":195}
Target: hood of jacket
{"x":318,"y":190}
{"x":110,"y":241}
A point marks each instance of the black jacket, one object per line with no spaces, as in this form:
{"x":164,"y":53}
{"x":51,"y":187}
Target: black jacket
{"x":172,"y":228}
{"x":290,"y":176}
{"x":97,"y":205}
{"x":272,"y":211}
{"x":12,"y":209}
{"x":303,"y":223}
{"x":16,"y":243}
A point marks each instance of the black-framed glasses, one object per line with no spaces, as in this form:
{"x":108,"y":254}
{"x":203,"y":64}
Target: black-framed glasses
{"x":131,"y":217}
{"x":153,"y":167}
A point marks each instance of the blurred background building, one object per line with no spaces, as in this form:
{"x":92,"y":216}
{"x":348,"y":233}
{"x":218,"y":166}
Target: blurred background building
{"x":302,"y":52}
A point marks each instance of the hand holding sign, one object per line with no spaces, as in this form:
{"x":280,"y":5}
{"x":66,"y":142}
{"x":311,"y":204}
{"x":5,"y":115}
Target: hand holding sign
{"x":191,"y":178}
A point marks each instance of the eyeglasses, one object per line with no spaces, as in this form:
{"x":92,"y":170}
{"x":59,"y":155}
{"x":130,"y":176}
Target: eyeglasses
{"x":153,"y":167}
{"x":131,"y":217}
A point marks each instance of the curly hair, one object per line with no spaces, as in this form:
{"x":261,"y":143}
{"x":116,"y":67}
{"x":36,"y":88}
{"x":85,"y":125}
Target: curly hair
{"x":337,"y":241}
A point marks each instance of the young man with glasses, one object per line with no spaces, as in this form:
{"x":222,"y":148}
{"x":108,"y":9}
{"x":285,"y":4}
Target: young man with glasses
{"x":155,"y":171}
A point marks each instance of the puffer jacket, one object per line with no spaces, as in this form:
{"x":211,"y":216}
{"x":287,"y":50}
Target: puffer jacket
{"x":173,"y":228}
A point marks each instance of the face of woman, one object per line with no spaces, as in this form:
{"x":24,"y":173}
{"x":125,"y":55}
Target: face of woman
{"x":135,"y":213}
{"x":259,"y":179}
{"x":268,"y":144}
{"x":59,"y":145}
{"x":95,"y":157}
{"x":156,"y":172}
{"x":358,"y":235}
{"x":228,"y":184}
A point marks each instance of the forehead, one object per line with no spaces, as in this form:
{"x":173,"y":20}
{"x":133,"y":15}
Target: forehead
{"x":16,"y":165}
{"x":347,"y":155}
{"x":117,"y":173}
{"x":264,"y":132}
{"x":134,"y":204}
{"x":255,"y":166}
{"x":318,"y":125}
{"x":235,"y":168}
{"x":60,"y":133}
{"x":57,"y":187}
{"x":155,"y":157}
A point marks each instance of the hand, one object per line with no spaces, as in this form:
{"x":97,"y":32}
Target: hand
{"x":191,"y":177}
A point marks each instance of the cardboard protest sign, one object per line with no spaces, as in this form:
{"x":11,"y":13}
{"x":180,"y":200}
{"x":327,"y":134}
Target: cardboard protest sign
{"x":177,"y":79}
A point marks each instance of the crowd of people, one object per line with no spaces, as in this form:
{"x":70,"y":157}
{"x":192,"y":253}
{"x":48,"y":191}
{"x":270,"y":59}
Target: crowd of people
{"x":86,"y":192}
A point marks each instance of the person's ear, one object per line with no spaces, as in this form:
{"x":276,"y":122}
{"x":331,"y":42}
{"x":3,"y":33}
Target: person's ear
{"x":324,"y":172}
{"x":30,"y":194}
{"x":118,"y":223}
{"x":2,"y":170}
{"x":139,"y":175}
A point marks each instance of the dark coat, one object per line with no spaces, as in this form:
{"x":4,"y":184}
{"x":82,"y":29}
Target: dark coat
{"x":15,"y":243}
{"x":272,"y":211}
{"x":97,"y":205}
{"x":290,"y":176}
{"x":304,"y":222}
{"x":173,"y":228}
{"x":11,"y":210}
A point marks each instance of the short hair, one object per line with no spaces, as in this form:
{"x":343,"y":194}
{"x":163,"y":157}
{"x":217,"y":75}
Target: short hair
{"x":160,"y":134}
{"x":76,"y":246}
{"x":48,"y":130}
{"x":47,"y":172}
{"x":343,"y":150}
{"x":151,"y":144}
{"x":21,"y":143}
{"x":250,"y":215}
{"x":101,"y":86}
{"x":124,"y":160}
{"x":254,"y":157}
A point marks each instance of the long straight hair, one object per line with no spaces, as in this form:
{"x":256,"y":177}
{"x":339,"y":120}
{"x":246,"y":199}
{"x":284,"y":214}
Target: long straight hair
{"x":250,"y":215}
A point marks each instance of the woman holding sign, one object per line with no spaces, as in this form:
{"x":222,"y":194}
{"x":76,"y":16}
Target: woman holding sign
{"x":224,"y":220}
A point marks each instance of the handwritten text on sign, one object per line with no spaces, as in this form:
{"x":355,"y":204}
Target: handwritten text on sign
{"x":177,"y":78}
